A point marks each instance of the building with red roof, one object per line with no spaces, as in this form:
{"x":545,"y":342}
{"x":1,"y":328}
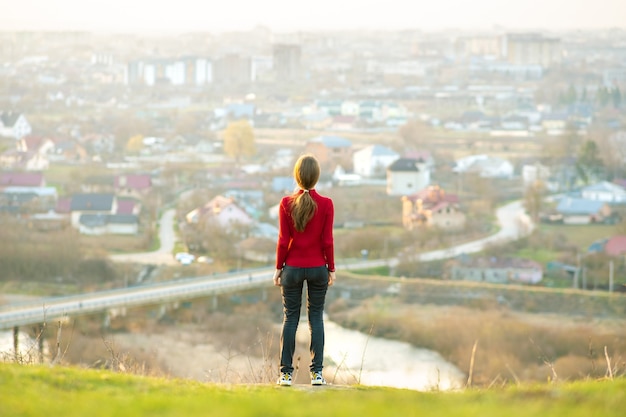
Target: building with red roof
{"x":22,"y":179}
{"x":616,"y":246}
{"x":132,"y":184}
{"x":432,"y":207}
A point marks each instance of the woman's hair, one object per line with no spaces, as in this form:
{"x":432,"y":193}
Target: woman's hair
{"x":306,"y":172}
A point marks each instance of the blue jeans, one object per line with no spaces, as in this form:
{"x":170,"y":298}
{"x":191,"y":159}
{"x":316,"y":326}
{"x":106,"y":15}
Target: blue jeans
{"x":292,"y":282}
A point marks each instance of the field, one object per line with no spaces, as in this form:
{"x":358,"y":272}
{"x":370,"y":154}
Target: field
{"x":523,"y":334}
{"x":36,"y":391}
{"x":580,"y":236}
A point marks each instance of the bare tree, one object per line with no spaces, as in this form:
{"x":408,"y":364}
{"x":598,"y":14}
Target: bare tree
{"x":533,"y":199}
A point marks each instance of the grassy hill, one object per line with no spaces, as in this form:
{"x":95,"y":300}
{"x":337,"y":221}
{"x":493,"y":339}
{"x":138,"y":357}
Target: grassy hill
{"x":42,"y":390}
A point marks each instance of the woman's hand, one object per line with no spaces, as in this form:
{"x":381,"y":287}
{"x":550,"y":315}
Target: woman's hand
{"x":331,"y":278}
{"x":277,"y":274}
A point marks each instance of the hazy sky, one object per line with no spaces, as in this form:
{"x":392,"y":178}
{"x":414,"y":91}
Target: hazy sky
{"x":290,"y":15}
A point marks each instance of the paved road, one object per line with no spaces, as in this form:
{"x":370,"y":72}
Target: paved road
{"x":161,"y":256}
{"x":513,"y":225}
{"x":513,"y":222}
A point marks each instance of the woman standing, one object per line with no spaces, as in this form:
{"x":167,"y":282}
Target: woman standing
{"x":304,"y":252}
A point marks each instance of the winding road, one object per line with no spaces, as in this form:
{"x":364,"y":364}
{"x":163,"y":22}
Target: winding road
{"x":514,"y":224}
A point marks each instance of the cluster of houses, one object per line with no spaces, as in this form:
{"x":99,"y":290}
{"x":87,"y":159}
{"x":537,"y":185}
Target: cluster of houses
{"x":114,"y":209}
{"x":524,"y":121}
{"x":594,"y":203}
{"x":407,"y":176}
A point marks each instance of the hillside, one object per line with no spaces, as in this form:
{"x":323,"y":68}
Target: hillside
{"x":37,"y":391}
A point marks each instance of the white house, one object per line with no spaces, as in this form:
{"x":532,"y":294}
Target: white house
{"x":108,"y":224}
{"x":407,"y":176}
{"x":533,"y":173}
{"x":349,"y":108}
{"x":221,"y":210}
{"x":373,"y":160}
{"x":605,"y":191}
{"x":582,"y":211}
{"x":486,"y":166}
{"x":554,"y":124}
{"x":96,"y":206}
{"x":14,"y":125}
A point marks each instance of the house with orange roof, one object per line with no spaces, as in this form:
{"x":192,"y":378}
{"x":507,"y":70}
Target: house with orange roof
{"x":432,"y":207}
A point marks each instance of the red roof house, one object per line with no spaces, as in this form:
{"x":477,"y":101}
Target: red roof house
{"x":22,"y":179}
{"x":616,"y":246}
{"x":133,"y":183}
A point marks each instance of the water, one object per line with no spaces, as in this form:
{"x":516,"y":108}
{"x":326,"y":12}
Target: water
{"x":375,"y":361}
{"x":28,"y":350}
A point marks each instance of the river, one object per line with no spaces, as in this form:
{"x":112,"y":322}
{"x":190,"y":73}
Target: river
{"x":351,"y":357}
{"x":375,"y":361}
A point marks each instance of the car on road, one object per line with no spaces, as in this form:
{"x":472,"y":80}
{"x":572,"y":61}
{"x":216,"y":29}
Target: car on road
{"x":204,"y":260}
{"x":185,"y":258}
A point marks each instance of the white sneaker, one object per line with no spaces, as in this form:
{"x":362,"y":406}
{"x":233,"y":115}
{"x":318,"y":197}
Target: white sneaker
{"x":285,"y":379}
{"x":317,"y":378}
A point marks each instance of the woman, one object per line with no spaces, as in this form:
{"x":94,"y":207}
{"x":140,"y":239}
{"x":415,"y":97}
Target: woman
{"x":304,"y":252}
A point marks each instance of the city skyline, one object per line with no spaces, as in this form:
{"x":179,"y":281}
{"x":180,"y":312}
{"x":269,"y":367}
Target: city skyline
{"x":288,"y":16}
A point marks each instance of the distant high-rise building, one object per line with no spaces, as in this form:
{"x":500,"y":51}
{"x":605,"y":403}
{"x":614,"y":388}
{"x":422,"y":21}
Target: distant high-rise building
{"x":232,"y":69}
{"x":261,"y":67}
{"x":532,"y":49}
{"x":104,"y":58}
{"x":175,"y":72}
{"x":479,"y":46}
{"x":200,"y":71}
{"x":184,"y":71}
{"x":287,"y":62}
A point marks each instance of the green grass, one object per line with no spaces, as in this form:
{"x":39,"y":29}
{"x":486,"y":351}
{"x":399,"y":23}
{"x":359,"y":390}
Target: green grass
{"x":581,"y":235}
{"x":380,"y":270}
{"x":41,"y":390}
{"x":541,"y":255}
{"x":60,"y":174}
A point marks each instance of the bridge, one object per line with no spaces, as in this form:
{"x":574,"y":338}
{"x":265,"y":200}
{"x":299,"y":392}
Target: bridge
{"x":49,"y":309}
{"x":54,"y":308}
{"x":513,"y":222}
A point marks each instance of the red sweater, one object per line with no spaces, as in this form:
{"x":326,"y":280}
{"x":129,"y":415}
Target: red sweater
{"x":312,"y":247}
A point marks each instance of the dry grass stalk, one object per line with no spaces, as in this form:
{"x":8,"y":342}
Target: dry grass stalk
{"x":608,"y":363}
{"x":471,"y":368}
